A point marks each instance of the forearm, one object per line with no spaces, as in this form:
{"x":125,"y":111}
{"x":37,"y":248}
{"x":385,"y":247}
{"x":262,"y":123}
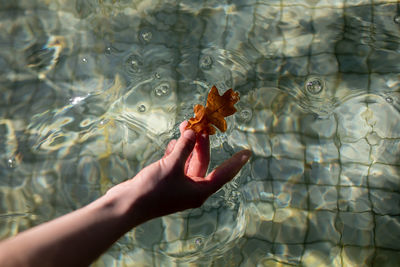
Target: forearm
{"x":75,"y":239}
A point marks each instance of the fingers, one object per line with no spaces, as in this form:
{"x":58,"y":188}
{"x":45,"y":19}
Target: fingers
{"x":170,"y":147}
{"x":227,"y":170}
{"x":183,"y":147}
{"x":198,"y":163}
{"x":182,"y":126}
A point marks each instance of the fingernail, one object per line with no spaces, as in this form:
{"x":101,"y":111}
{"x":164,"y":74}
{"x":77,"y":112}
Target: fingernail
{"x":246,"y":154}
{"x":189,"y":134}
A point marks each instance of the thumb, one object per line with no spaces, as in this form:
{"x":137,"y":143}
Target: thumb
{"x":183,"y":147}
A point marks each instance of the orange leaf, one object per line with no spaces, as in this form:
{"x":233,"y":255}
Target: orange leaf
{"x":218,"y":107}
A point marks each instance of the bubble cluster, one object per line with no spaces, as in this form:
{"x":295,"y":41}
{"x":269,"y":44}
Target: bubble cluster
{"x":11,"y":163}
{"x":162,"y":89}
{"x":206,"y":62}
{"x":314,"y":85}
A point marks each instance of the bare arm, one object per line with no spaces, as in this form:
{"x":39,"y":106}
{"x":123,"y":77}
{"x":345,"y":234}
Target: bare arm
{"x":75,"y":239}
{"x":174,"y":183}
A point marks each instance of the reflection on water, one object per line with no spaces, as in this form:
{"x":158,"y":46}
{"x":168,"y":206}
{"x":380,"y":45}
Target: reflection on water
{"x":92,"y":91}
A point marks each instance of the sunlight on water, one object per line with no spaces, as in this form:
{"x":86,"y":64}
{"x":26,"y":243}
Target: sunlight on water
{"x":93,"y":91}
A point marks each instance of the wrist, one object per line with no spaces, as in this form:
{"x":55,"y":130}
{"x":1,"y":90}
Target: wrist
{"x":122,"y":201}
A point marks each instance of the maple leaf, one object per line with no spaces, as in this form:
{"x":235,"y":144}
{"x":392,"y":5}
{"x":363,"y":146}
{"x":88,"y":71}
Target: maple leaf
{"x":217,"y":108}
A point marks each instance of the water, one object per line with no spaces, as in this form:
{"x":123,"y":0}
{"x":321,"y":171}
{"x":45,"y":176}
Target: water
{"x":92,"y":91}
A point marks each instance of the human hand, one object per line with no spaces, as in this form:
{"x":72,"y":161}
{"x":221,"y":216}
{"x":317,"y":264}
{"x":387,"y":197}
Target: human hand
{"x":177,"y":181}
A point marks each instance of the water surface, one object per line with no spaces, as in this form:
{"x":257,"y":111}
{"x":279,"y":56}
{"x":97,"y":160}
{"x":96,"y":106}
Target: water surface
{"x":92,"y":91}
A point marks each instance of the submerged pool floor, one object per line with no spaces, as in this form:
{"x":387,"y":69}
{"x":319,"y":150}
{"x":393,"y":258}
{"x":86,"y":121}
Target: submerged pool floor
{"x":92,"y":91}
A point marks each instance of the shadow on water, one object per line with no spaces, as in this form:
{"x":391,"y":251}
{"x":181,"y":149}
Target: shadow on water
{"x":84,"y":109}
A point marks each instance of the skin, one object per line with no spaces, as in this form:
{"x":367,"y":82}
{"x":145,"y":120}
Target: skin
{"x":174,"y":183}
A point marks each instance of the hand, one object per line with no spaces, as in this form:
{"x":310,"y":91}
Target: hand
{"x":176,"y":182}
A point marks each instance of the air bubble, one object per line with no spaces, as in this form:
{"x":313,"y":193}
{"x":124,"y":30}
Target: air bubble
{"x":397,"y":19}
{"x":206,"y":62}
{"x":157,"y":75}
{"x":161,"y":90}
{"x":145,"y":36}
{"x":198,"y":242}
{"x":141,"y":108}
{"x":314,"y":85}
{"x":246,"y":114}
{"x":133,"y":64}
{"x":389,"y":99}
{"x":84,"y":60}
{"x":11,"y":163}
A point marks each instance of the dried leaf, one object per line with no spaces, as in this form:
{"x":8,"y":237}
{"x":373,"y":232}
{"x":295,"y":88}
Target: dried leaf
{"x":217,"y":108}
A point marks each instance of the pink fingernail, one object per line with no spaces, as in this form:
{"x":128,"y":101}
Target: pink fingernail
{"x":246,"y":155}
